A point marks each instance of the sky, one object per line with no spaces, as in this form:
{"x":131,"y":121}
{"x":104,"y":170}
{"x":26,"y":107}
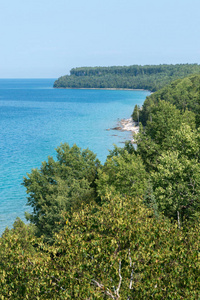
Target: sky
{"x":46,"y":38}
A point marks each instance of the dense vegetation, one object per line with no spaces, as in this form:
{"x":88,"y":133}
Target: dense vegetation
{"x":183,"y":93}
{"x":128,"y":229}
{"x":61,"y":185}
{"x":149,"y":77}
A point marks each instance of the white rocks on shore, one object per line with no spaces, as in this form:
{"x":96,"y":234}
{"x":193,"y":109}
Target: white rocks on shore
{"x":127,"y":125}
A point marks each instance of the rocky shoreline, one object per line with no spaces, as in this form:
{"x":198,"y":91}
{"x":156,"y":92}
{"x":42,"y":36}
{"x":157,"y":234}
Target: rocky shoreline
{"x":126,"y":125}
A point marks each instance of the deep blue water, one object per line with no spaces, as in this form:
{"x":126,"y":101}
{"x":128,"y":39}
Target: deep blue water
{"x":35,"y":119}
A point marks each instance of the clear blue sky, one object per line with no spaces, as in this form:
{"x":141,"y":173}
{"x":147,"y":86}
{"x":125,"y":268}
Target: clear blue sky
{"x":46,"y":38}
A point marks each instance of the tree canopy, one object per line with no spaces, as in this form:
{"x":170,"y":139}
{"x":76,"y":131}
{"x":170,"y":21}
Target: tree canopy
{"x":119,"y":250}
{"x":123,"y":173}
{"x":60,"y":186}
{"x":183,"y":93}
{"x":148,"y":77}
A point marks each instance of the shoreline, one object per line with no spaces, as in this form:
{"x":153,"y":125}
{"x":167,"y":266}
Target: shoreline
{"x":127,"y":125}
{"x":122,"y":124}
{"x":107,"y":89}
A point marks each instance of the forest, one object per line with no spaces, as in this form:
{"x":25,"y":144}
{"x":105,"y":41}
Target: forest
{"x":125,"y":229}
{"x":149,"y":77}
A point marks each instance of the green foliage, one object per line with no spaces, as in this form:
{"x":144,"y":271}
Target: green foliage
{"x":155,"y":137}
{"x":149,"y":77}
{"x":183,"y":93}
{"x":177,"y":185}
{"x":25,"y":267}
{"x":136,"y":113}
{"x":117,"y":250}
{"x":60,"y":186}
{"x":169,"y":147}
{"x":164,"y":118}
{"x":186,"y":141}
{"x":176,"y":177}
{"x":123,"y":173}
{"x":149,"y":199}
{"x":122,"y":251}
{"x":19,"y":276}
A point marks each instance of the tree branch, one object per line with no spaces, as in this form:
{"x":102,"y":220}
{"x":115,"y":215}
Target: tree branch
{"x":131,"y":279}
{"x":120,"y":280}
{"x":106,"y":291}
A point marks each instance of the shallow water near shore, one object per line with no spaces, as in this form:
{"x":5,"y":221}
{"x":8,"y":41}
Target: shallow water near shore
{"x":35,"y":119}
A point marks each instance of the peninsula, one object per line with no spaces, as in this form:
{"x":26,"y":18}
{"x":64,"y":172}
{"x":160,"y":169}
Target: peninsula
{"x":148,"y":77}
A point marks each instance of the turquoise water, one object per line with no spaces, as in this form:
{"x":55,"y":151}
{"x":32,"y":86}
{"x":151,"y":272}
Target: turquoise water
{"x":35,"y":119}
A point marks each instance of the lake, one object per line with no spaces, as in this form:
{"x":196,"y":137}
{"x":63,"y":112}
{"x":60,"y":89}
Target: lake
{"x":35,"y":119}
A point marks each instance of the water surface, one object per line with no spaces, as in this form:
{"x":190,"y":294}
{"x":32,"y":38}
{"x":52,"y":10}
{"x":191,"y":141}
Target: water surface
{"x":35,"y":119}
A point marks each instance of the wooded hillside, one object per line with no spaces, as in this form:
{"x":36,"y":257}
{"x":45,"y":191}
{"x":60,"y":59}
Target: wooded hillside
{"x":183,"y":93}
{"x":149,"y":77}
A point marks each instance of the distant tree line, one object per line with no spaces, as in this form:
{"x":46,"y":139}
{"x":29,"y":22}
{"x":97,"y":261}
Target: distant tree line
{"x":149,"y":77}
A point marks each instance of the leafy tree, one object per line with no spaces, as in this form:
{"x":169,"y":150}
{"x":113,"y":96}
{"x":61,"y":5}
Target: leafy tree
{"x":122,"y":252}
{"x":136,"y":113}
{"x":149,"y":198}
{"x":176,"y":177}
{"x":169,"y":146}
{"x":176,"y":185}
{"x":123,"y":173}
{"x":117,"y":250}
{"x":60,"y":186}
{"x":21,"y":264}
{"x":186,"y":141}
{"x":183,"y":93}
{"x":152,"y":140}
{"x":165,"y":118}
